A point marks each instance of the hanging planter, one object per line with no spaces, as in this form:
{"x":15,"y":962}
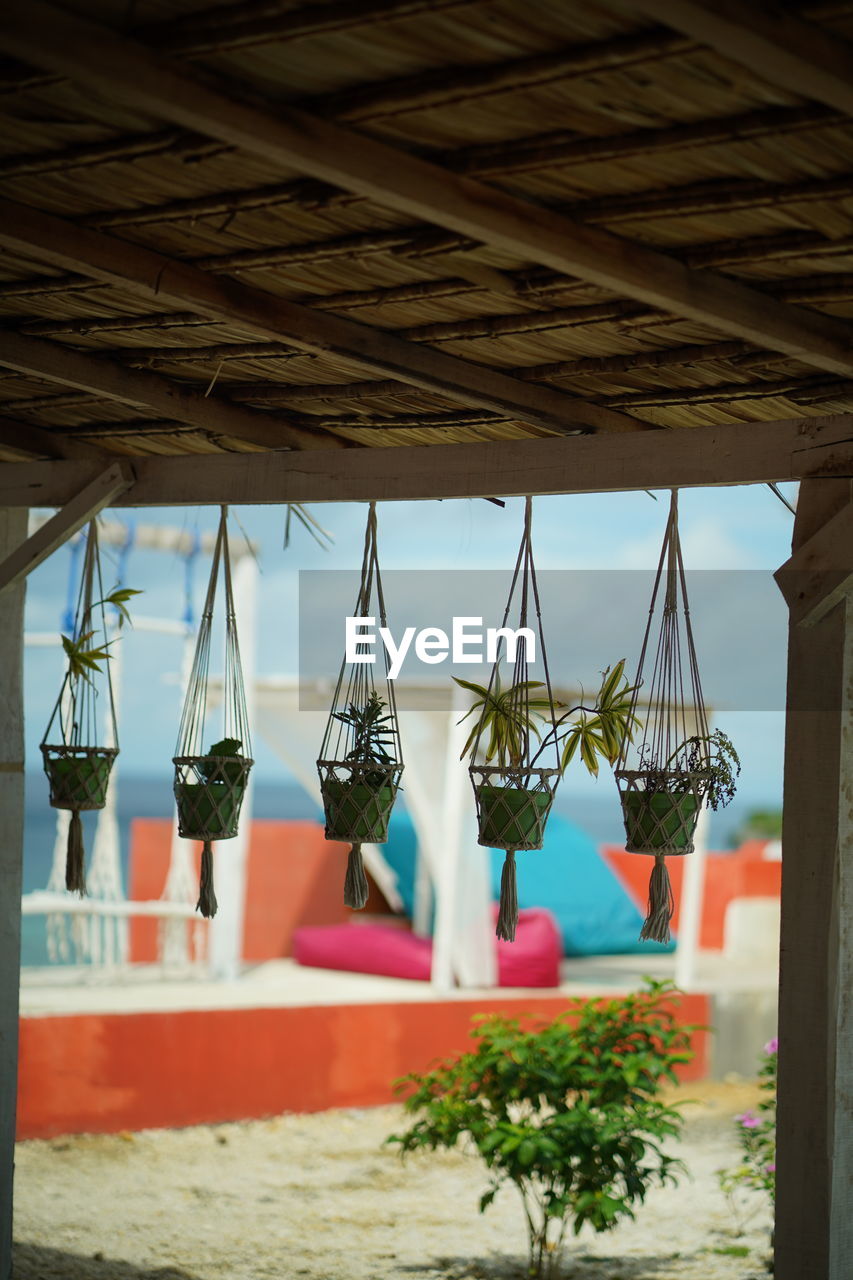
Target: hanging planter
{"x":514,"y":795}
{"x":518,"y":728}
{"x":77,"y":752}
{"x":361,"y":759}
{"x":210,"y":783}
{"x":678,"y":765}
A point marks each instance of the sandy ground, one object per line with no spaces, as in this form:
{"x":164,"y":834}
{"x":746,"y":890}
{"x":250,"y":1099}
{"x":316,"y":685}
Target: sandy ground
{"x":319,"y":1196}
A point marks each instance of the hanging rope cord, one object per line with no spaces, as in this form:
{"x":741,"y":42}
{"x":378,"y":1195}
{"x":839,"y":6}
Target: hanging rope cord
{"x":76,"y":706}
{"x":518,"y":773}
{"x":209,"y":786}
{"x":666,"y":726}
{"x":78,"y":767}
{"x":352,"y":754}
{"x":338,"y":736}
{"x":525,"y":569}
{"x":667,"y":762}
{"x":236,"y":725}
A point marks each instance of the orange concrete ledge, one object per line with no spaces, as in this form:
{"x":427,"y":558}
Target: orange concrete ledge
{"x":105,"y":1073}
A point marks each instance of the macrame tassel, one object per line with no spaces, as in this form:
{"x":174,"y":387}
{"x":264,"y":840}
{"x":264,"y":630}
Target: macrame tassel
{"x":661,"y":904}
{"x":207,"y":903}
{"x":75,"y":873}
{"x":356,"y":887}
{"x":508,"y":906}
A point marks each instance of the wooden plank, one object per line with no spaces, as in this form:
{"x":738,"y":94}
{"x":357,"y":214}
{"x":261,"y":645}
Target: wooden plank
{"x":13,"y":530}
{"x":153,"y":276}
{"x":775,"y":44}
{"x":92,"y":55}
{"x":114,"y":381}
{"x":814,"y":1161}
{"x":820,"y":572}
{"x":576,"y":464}
{"x":31,"y":441}
{"x":91,"y":499}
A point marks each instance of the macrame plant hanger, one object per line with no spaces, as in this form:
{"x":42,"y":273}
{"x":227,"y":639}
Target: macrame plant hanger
{"x":664,"y":790}
{"x":77,"y":768}
{"x":514,"y":797}
{"x":210,"y":784}
{"x":361,"y":757}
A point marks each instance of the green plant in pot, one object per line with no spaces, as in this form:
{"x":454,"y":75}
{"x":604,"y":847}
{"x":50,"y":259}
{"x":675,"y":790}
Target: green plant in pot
{"x":513,"y":791}
{"x":513,"y":805}
{"x":78,"y":769}
{"x":209,"y":807}
{"x":662,"y":807}
{"x":359,"y":792}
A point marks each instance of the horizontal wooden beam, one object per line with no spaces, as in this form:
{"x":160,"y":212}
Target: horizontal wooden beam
{"x":731,"y":454}
{"x":29,"y":441}
{"x":91,"y":498}
{"x":775,"y":44}
{"x":153,"y":276}
{"x":93,"y":55}
{"x":819,"y":575}
{"x":114,"y":381}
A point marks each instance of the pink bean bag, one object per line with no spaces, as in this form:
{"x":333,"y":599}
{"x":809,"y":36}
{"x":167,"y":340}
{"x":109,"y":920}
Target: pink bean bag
{"x":533,"y":960}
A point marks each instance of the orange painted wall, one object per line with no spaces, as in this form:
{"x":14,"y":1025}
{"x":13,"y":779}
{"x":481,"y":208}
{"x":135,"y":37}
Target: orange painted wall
{"x":295,"y":877}
{"x":111,"y":1072}
{"x":742,"y":874}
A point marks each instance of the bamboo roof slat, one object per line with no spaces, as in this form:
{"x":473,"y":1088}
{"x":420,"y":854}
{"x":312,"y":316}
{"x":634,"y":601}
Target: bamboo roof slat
{"x":616,"y":122}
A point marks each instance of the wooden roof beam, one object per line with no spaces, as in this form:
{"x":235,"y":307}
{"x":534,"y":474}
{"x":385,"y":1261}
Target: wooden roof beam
{"x":29,"y":441}
{"x":776,"y":45}
{"x":153,"y":276}
{"x":729,"y":454}
{"x":70,"y":368}
{"x":93,"y":55}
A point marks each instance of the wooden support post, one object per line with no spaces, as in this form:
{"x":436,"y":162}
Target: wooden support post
{"x":13,"y":531}
{"x":96,"y":495}
{"x":814,"y":1225}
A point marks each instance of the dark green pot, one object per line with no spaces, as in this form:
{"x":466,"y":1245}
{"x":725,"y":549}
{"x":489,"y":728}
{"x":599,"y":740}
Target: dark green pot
{"x":208,"y":810}
{"x":512,"y":818}
{"x":79,"y":782}
{"x":355,"y":812}
{"x":660,"y":821}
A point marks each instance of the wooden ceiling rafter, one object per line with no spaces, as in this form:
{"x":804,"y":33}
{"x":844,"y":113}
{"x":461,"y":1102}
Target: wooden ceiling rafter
{"x":71,"y":368}
{"x":777,"y":45}
{"x":154,"y":276}
{"x":95,"y":56}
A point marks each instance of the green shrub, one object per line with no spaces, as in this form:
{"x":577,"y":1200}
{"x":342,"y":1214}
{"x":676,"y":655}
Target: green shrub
{"x":568,"y":1112}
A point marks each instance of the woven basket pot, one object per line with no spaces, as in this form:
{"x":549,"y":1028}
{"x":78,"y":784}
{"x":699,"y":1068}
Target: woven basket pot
{"x":660,"y":822}
{"x":512,"y":817}
{"x":78,"y":776}
{"x":357,"y":812}
{"x":209,"y":792}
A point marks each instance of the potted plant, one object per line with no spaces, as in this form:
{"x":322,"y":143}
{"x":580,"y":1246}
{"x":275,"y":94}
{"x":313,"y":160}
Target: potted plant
{"x":209,"y":806}
{"x":661,"y":804}
{"x":359,"y":791}
{"x":512,"y":803}
{"x":76,"y":764}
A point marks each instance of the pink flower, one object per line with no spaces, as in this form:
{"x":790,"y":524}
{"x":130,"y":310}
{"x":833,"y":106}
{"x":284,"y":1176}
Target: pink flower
{"x":772,"y":1046}
{"x":770,"y":1168}
{"x":747,"y":1120}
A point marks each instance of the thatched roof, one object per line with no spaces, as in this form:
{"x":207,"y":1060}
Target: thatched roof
{"x":602,"y":117}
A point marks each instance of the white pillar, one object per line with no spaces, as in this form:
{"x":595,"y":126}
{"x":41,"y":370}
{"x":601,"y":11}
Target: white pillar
{"x":231,"y":857}
{"x":690,"y":915}
{"x":13,"y":532}
{"x":814,"y":1164}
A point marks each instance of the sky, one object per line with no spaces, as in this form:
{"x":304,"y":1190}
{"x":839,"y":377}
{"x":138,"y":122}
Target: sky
{"x":596,"y":554}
